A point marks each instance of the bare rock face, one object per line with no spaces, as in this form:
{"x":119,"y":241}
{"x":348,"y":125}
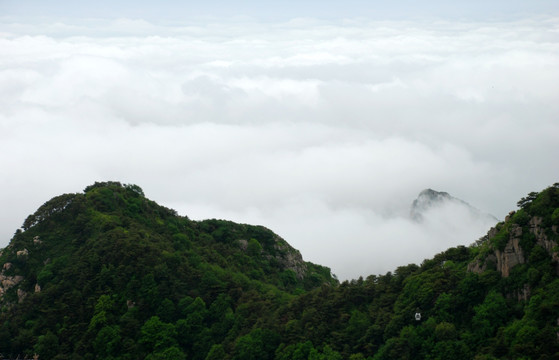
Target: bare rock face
{"x":287,"y":257}
{"x":478,"y":266}
{"x":512,"y":254}
{"x":291,"y":259}
{"x":506,"y":259}
{"x":542,"y":238}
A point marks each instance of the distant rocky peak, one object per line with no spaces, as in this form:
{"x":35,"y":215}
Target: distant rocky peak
{"x":426,"y":200}
{"x":429,"y":199}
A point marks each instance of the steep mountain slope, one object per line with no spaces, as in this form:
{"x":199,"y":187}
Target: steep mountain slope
{"x":109,"y":274}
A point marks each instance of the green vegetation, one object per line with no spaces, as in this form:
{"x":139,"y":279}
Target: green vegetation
{"x":109,"y":274}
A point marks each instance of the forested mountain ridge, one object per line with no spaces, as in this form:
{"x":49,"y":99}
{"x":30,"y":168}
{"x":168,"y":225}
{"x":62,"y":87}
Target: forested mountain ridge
{"x":90,"y":271}
{"x":108,"y":274}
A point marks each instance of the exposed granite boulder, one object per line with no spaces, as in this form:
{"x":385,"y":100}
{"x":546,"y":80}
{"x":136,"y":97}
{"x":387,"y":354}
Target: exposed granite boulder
{"x":243,"y":244}
{"x":22,"y":253}
{"x":7,"y":282}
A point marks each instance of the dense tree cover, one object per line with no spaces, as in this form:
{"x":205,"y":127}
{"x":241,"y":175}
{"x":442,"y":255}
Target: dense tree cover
{"x":121,"y":277}
{"x":111,"y":274}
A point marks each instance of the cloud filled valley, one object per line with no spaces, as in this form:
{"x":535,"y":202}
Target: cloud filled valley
{"x":323,"y":131}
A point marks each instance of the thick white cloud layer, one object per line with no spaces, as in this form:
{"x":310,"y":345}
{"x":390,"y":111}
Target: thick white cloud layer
{"x":323,"y":131}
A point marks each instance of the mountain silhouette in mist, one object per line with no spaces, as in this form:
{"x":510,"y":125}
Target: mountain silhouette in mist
{"x":430,"y":199}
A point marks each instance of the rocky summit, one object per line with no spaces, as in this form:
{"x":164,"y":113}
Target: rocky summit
{"x":430,"y":199}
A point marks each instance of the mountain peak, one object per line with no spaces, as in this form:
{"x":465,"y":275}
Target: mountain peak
{"x":433,"y":193}
{"x":429,"y":199}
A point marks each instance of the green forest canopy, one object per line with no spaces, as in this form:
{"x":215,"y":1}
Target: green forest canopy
{"x":110,"y":274}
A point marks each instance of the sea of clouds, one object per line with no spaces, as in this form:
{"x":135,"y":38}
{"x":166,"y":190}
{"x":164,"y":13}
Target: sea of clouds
{"x":323,"y":131}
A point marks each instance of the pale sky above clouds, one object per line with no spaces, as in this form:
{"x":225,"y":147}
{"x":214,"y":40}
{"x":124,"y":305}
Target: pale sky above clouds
{"x":318,"y":122}
{"x":268,"y":10}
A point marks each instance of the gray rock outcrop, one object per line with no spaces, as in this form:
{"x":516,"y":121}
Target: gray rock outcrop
{"x":513,"y":254}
